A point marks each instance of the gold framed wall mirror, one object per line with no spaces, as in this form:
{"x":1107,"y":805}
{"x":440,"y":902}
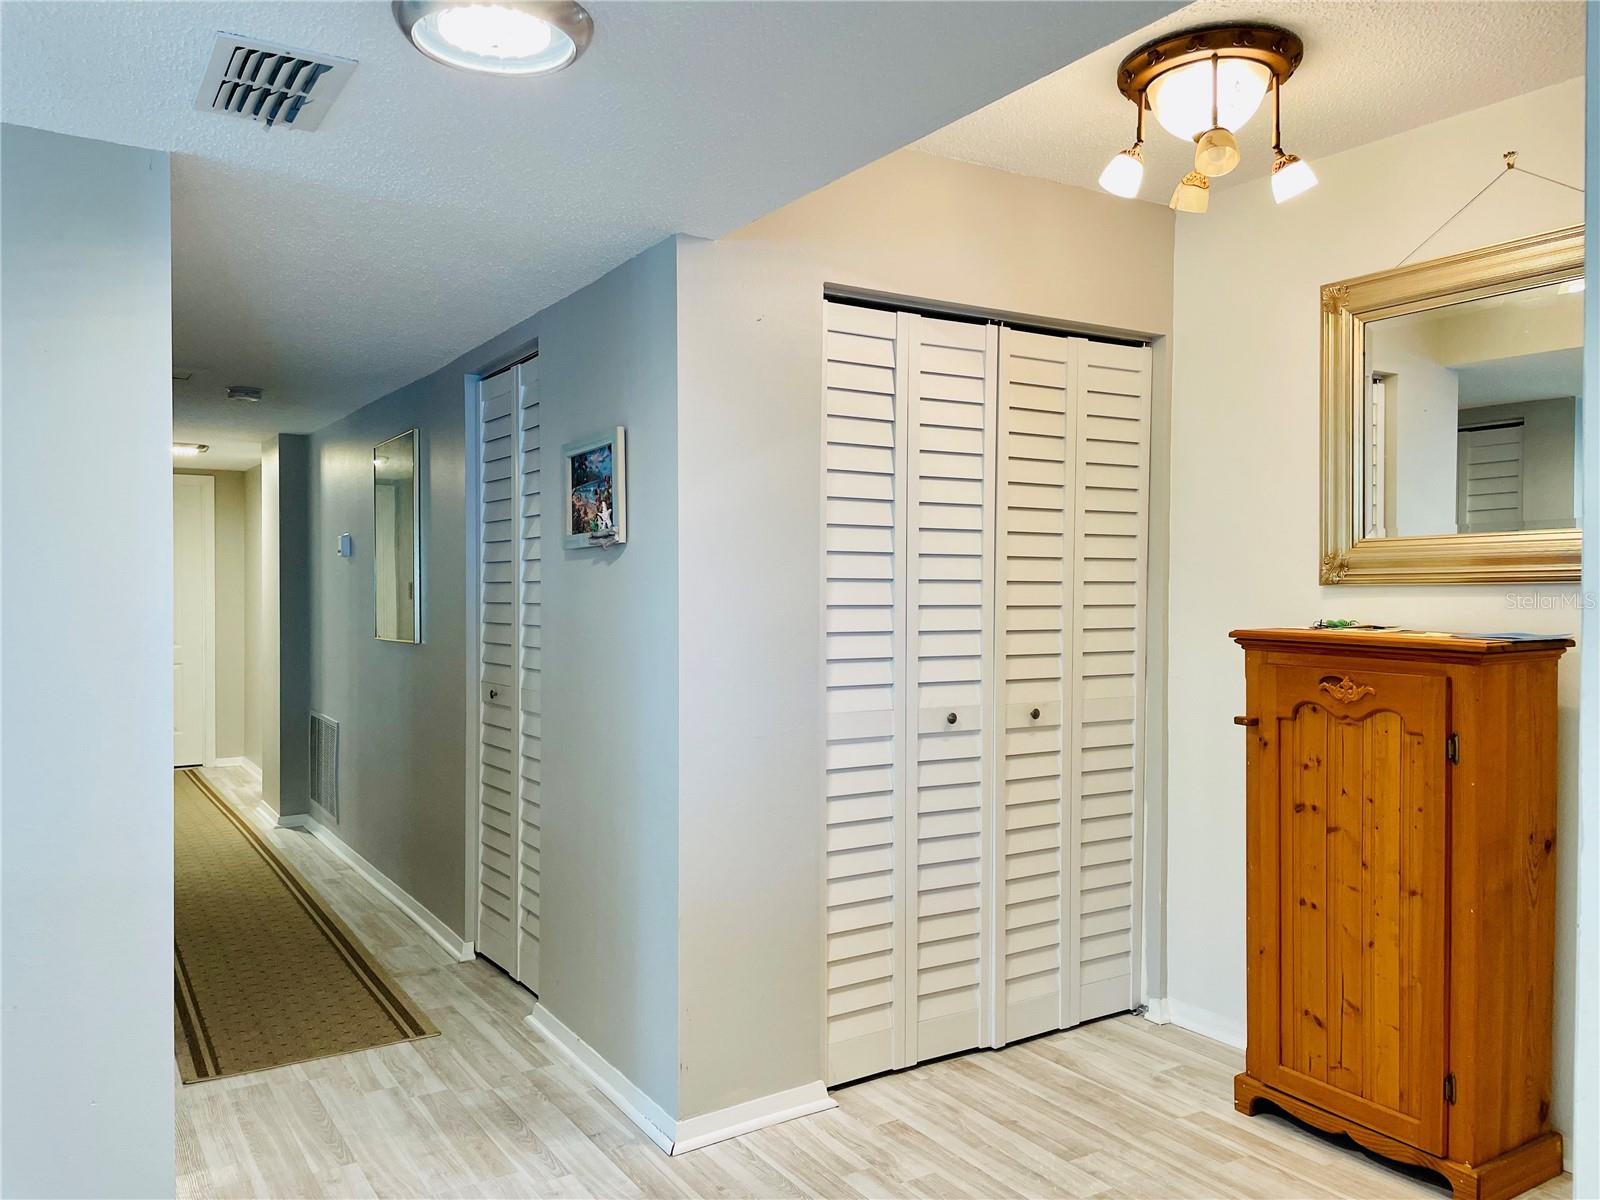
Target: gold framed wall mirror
{"x":1451,"y":418}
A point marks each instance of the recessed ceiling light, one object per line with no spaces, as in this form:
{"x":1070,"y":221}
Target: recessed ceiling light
{"x":240,"y":392}
{"x":188,"y":449}
{"x":497,"y":37}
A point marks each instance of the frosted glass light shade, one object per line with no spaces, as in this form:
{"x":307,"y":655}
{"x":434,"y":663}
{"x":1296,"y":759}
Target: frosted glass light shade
{"x":1192,"y":194}
{"x":1291,"y":176}
{"x":1124,"y":174}
{"x":496,"y":39}
{"x":1181,"y":98}
{"x":1217,"y":153}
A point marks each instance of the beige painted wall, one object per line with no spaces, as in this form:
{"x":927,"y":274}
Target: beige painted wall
{"x":749,"y":394}
{"x":236,"y":670}
{"x":1245,"y":494}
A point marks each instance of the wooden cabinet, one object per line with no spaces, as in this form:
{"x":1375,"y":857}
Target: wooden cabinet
{"x":1401,"y":844}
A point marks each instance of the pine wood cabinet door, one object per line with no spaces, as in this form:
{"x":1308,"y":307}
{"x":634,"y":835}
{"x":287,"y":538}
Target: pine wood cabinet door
{"x":1349,"y":895}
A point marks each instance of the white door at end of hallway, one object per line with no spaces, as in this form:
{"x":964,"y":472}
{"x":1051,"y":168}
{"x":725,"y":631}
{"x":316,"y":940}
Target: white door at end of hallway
{"x":193,"y":566}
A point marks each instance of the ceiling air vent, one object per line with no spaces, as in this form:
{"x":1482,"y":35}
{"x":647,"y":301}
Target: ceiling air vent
{"x":272,"y":84}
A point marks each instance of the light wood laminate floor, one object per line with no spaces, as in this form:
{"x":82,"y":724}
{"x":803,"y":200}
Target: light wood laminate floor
{"x":1119,"y":1108}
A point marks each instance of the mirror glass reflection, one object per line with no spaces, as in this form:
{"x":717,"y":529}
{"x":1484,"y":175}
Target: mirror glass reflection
{"x":1471,"y":418}
{"x":395,"y":541}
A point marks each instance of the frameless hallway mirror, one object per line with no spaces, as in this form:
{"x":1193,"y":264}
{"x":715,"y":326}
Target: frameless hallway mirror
{"x":396,"y":539}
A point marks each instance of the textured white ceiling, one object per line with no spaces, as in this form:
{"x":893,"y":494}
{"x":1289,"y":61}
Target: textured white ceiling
{"x":434,"y":208}
{"x":1372,"y":68}
{"x":1525,"y":377}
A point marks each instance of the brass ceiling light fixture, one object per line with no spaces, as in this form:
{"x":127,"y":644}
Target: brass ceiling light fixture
{"x":1203,"y":85}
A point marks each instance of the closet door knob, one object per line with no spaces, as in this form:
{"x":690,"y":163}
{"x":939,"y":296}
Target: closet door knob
{"x":494,"y":694}
{"x":950,"y":720}
{"x":1034,"y":714}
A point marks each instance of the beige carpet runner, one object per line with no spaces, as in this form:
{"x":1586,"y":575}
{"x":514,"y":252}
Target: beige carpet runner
{"x":266,"y":975}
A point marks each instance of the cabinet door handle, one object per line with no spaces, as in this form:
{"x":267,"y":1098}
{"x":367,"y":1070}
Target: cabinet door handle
{"x":1034,"y":714}
{"x":950,"y":720}
{"x":1246,"y":721}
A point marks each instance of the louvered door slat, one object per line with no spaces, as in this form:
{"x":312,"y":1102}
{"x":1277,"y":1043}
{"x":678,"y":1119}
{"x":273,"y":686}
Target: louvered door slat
{"x":498,"y":788}
{"x":861,"y":400}
{"x":950,"y":407}
{"x":1110,"y":512}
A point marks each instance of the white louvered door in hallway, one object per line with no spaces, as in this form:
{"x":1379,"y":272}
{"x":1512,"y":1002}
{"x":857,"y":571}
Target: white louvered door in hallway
{"x":985,"y":532}
{"x":509,"y":671}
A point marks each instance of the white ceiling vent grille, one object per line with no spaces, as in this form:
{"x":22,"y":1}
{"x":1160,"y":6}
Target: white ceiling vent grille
{"x":272,"y":84}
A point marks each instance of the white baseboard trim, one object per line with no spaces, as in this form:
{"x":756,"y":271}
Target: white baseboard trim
{"x":449,"y":941}
{"x":697,"y":1132}
{"x":675,"y":1137}
{"x":239,"y":760}
{"x":613,"y":1084}
{"x":1157,"y":1011}
{"x":1227,"y":1030}
{"x":292,"y":820}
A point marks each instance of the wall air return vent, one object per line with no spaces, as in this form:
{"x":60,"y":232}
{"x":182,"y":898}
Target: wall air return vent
{"x":272,"y":84}
{"x":325,"y":764}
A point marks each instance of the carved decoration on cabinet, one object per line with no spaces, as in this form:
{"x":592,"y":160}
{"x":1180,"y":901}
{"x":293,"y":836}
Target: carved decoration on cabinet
{"x":1346,"y":690}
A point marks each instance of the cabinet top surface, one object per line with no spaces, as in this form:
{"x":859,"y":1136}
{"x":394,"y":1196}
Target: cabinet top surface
{"x":1405,"y":641}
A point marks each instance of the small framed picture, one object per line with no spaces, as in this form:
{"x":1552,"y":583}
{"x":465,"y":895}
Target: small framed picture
{"x":596,"y":491}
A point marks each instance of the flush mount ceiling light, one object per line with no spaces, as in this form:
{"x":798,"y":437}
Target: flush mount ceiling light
{"x":1204,"y":85}
{"x":188,"y":449}
{"x":497,"y":37}
{"x":239,"y":391}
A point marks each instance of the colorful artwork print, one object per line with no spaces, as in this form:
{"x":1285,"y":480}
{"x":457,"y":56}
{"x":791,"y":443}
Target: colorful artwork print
{"x":593,"y":492}
{"x":597,"y":491}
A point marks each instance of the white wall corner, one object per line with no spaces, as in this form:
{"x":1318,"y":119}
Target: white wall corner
{"x":673,"y":1136}
{"x":698,"y":1132}
{"x":1227,"y":1030}
{"x":449,"y":941}
{"x":612,"y":1083}
{"x":1157,"y":1011}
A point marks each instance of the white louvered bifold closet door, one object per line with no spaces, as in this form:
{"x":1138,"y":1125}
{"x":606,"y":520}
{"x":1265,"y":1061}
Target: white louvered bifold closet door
{"x":508,"y":672}
{"x":1110,"y":509}
{"x":863,"y":631}
{"x":985,"y":497}
{"x":1490,"y":478}
{"x":1074,"y":470}
{"x":951,"y":393}
{"x":498,"y":772}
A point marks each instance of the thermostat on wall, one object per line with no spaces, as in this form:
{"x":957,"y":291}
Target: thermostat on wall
{"x":346,"y":549}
